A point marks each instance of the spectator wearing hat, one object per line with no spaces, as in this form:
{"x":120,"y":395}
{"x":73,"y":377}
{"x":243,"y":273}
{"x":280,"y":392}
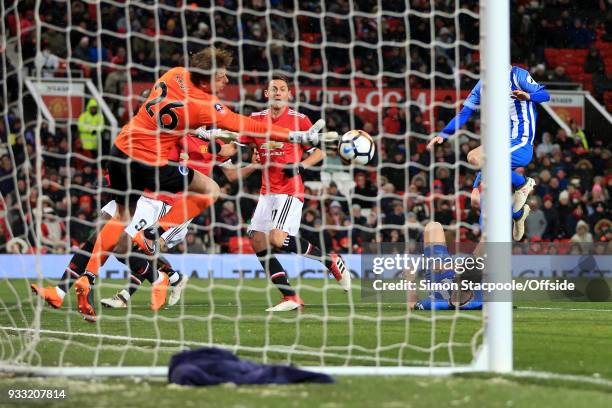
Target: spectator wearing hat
{"x":583,"y":234}
{"x":539,"y":73}
{"x":333,"y":194}
{"x":336,"y":216}
{"x":53,"y":230}
{"x":91,"y":126}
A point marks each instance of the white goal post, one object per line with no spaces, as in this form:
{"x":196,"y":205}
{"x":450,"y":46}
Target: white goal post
{"x":495,"y":45}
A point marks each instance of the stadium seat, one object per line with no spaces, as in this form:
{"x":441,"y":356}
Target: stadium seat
{"x":240,"y":245}
{"x":316,"y":186}
{"x":326,"y":178}
{"x":608,"y":100}
{"x":344,"y":181}
{"x":366,"y":212}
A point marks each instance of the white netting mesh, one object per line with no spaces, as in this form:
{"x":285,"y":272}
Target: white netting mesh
{"x":398,"y":71}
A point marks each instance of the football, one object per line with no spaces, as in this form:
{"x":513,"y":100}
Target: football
{"x":356,"y":146}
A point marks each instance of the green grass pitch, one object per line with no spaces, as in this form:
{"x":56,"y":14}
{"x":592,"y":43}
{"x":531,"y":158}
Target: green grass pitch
{"x":567,"y":339}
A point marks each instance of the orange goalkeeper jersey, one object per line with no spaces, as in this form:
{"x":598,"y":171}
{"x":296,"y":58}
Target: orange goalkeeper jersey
{"x":174,"y":107}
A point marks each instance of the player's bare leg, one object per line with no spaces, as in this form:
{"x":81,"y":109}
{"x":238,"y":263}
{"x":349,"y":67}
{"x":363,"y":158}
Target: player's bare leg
{"x":520,"y":209}
{"x":476,"y":157}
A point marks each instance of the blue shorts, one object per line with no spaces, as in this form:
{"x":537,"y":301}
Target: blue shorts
{"x":520,"y":157}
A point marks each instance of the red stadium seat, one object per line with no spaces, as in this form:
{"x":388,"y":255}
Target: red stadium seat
{"x":608,"y":100}
{"x":240,"y":245}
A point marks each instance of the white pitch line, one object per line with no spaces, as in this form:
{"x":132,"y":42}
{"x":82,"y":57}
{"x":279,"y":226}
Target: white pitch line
{"x":273,"y":348}
{"x":563,"y":377}
{"x":562,"y":308}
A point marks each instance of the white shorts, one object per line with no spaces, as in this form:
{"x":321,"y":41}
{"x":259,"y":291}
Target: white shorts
{"x":277,"y":211}
{"x":148,"y":211}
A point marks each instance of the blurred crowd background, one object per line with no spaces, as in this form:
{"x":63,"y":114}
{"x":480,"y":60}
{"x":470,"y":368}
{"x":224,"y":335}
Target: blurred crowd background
{"x":565,"y":44}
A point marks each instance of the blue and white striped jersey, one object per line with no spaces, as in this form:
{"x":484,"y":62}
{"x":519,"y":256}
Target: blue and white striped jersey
{"x":522,"y":113}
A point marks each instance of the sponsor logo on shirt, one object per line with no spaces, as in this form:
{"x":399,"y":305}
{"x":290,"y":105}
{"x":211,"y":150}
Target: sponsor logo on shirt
{"x":272,"y":145}
{"x":219,"y":107}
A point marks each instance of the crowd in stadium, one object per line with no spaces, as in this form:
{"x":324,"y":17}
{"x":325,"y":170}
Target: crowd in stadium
{"x":571,"y":202}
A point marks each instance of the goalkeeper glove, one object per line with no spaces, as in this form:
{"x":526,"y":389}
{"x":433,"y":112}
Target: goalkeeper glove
{"x":211,"y":134}
{"x":313,"y":136}
{"x":292,"y":170}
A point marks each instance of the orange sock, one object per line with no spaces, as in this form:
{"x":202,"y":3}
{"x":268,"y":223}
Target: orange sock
{"x":185,"y":207}
{"x":107,"y":240}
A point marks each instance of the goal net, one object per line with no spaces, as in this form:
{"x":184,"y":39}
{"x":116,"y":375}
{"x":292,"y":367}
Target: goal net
{"x":398,"y":71}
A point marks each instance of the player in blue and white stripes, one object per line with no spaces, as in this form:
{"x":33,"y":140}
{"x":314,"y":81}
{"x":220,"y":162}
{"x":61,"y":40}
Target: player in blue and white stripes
{"x":525,"y":93}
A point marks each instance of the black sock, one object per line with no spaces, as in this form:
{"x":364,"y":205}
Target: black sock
{"x":302,"y":247}
{"x":140,"y":269}
{"x":77,"y":264}
{"x":90,"y":277}
{"x":275,"y":270}
{"x":164,"y":266}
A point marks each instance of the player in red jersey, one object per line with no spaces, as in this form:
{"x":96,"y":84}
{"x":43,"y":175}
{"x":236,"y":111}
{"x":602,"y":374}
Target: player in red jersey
{"x":276,"y":221}
{"x":182,"y":99}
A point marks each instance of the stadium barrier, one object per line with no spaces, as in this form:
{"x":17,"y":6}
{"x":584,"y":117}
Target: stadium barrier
{"x":231,"y":266}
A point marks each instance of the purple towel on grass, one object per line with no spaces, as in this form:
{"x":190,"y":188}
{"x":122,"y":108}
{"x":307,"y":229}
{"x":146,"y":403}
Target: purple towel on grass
{"x":212,"y":366}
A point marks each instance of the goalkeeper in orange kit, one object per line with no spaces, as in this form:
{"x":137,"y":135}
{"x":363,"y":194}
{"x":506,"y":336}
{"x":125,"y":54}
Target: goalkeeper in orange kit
{"x":183,"y":99}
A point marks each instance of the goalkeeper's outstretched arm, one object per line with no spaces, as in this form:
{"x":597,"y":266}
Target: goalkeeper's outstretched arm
{"x":234,"y":122}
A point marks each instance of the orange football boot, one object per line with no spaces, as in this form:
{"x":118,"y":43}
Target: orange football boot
{"x":49,"y":294}
{"x":85,"y":301}
{"x":159,"y":291}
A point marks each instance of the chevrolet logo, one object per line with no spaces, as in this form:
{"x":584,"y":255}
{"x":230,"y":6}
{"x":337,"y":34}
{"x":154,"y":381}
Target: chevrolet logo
{"x":271,"y":145}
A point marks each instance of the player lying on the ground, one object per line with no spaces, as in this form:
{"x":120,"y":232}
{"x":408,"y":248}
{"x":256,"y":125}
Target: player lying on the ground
{"x":182,"y":99}
{"x":525,"y":93}
{"x":276,"y":221}
{"x":202,"y":156}
{"x":434,"y":243}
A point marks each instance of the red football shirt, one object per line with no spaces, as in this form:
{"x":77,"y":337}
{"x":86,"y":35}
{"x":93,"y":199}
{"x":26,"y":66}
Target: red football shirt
{"x":276,"y":155}
{"x":199,"y":159}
